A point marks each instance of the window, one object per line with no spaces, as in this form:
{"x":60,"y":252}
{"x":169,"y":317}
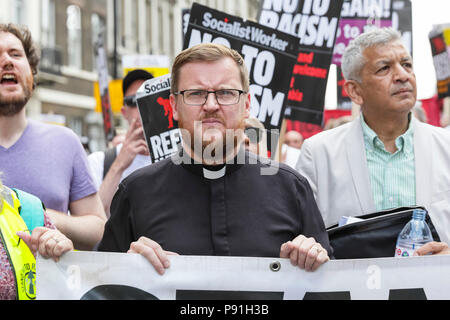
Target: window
{"x":51,"y":57}
{"x":19,"y":12}
{"x":76,"y":124}
{"x":48,"y":23}
{"x":74,"y":48}
{"x":131,"y":33}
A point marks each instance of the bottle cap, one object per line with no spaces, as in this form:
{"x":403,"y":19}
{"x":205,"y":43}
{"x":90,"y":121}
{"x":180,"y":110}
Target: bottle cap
{"x":419,"y":214}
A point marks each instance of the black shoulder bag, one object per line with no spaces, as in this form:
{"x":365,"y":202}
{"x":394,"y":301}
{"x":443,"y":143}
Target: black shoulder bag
{"x":375,"y":237}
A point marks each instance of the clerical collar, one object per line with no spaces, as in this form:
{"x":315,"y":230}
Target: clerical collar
{"x":207,"y":171}
{"x":214,"y":172}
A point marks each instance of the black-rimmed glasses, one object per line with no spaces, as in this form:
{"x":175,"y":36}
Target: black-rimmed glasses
{"x":199,"y":97}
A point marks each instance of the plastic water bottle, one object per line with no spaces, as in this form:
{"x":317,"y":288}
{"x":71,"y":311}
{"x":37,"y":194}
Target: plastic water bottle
{"x":414,"y":235}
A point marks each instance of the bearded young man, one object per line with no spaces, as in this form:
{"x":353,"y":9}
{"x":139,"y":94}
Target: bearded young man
{"x":45,"y":160}
{"x":208,"y":199}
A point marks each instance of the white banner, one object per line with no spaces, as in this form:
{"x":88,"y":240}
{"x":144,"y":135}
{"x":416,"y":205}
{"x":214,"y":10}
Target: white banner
{"x":99,"y":275}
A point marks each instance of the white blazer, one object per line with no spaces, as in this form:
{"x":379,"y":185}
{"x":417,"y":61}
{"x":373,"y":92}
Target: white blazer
{"x":334,"y":162}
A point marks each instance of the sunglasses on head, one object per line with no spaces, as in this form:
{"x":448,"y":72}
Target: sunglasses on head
{"x":254,"y":134}
{"x":130,"y":101}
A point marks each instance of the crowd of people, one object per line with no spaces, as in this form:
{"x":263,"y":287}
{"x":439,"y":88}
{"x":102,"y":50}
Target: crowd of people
{"x":55,"y":198}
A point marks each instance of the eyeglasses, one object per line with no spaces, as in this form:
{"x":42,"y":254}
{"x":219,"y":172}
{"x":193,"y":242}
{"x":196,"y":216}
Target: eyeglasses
{"x":254,"y":134}
{"x":223,"y":97}
{"x":130,"y":101}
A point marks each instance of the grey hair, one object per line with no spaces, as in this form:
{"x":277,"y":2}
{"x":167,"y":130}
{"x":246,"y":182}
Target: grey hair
{"x":353,"y":59}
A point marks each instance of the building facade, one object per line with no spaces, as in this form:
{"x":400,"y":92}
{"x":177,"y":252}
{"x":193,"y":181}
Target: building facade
{"x":66,"y":30}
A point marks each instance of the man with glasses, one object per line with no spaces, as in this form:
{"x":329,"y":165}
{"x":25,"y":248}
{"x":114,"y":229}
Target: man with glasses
{"x":113,"y":165}
{"x":212,"y":197}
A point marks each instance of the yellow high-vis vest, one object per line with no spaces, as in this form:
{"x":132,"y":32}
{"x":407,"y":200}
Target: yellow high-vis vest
{"x":20,"y":257}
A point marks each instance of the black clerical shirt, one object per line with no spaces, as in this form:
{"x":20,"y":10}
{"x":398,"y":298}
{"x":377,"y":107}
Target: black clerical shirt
{"x":235,"y":211}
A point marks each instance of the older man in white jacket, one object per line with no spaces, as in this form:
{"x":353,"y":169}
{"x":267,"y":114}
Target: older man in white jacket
{"x":385,"y":158}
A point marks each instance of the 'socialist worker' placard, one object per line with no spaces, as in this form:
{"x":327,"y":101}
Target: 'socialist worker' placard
{"x":269,"y":55}
{"x":161,"y":130}
{"x":315,"y":24}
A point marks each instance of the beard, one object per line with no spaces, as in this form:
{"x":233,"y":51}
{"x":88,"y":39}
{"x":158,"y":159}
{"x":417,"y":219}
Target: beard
{"x":11,"y":107}
{"x":213,"y":146}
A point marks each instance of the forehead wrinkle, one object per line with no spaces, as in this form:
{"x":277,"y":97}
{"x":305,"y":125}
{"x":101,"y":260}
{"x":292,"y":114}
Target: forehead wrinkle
{"x":388,"y":58}
{"x":204,"y":81}
{"x":385,"y":61}
{"x":406,"y":59}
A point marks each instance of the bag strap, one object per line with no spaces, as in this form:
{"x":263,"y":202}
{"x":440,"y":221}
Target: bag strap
{"x":31,"y":209}
{"x":110,"y":156}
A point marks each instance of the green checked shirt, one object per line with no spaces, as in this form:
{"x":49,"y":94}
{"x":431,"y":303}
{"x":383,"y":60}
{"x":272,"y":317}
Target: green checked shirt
{"x":392,"y":176}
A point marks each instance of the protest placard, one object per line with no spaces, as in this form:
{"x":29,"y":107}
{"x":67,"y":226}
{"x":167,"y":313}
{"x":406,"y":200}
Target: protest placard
{"x":441,"y":61}
{"x":103,"y":81}
{"x":357,"y":17}
{"x":315,"y":24}
{"x":402,"y":21}
{"x":160,"y":128}
{"x":440,"y":37}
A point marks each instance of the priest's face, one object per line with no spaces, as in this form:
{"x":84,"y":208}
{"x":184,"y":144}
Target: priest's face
{"x":16,"y":78}
{"x":210,"y":123}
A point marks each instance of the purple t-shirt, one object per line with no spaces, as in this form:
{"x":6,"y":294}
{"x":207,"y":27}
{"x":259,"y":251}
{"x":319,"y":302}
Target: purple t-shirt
{"x":49,"y":162}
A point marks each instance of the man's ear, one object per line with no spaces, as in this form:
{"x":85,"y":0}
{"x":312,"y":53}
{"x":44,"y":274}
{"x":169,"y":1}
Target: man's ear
{"x":173,"y":104}
{"x":353,"y":89}
{"x":247,"y":105}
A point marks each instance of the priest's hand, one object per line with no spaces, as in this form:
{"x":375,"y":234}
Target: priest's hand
{"x":304,"y":252}
{"x":153,"y":252}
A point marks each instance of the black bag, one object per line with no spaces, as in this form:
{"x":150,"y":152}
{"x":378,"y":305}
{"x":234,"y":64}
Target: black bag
{"x":375,"y":237}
